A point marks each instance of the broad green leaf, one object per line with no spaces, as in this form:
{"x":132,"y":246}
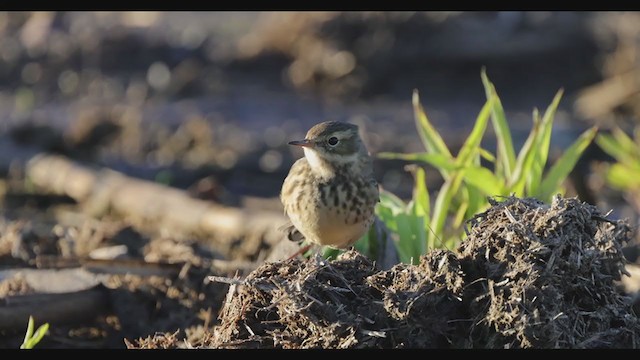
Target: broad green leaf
{"x":407,"y":239}
{"x":371,"y":242}
{"x":391,"y":201}
{"x":420,"y":231}
{"x":565,"y":164}
{"x":327,"y":253}
{"x":476,"y":199}
{"x":387,"y":216}
{"x":506,"y":153}
{"x":484,"y":179}
{"x":403,"y":256}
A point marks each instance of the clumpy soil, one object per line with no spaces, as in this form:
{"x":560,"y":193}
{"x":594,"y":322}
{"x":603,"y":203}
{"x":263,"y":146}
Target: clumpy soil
{"x":528,"y":275}
{"x":342,"y":304}
{"x":545,"y":277}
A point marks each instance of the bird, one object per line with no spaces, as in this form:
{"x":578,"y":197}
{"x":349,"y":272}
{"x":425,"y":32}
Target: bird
{"x":330,"y":193}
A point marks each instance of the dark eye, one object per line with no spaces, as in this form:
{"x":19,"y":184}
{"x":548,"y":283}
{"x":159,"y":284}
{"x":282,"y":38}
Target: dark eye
{"x":333,"y":141}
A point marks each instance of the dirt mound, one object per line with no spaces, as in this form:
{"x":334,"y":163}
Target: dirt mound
{"x":544,"y":277}
{"x":343,"y":304}
{"x":528,"y":275}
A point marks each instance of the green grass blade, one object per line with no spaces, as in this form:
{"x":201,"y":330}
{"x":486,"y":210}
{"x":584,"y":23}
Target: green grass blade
{"x":565,"y":164}
{"x":431,"y":139}
{"x":421,"y":194}
{"x":547,"y":121}
{"x":506,"y":154}
{"x":534,"y":180}
{"x":441,"y":208}
{"x":518,"y":178}
{"x":618,"y":145}
{"x":487,"y":155}
{"x":28,"y":334}
{"x":627,"y":143}
{"x":469,"y":149}
{"x":612,"y":147}
{"x":40,"y":333}
{"x":622,"y":177}
{"x":459,"y":216}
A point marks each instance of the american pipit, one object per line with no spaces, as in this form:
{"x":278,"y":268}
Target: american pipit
{"x":330,"y":194}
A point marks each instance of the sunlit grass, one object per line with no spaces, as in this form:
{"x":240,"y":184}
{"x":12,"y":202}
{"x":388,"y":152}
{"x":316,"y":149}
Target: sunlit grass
{"x":468,"y":183}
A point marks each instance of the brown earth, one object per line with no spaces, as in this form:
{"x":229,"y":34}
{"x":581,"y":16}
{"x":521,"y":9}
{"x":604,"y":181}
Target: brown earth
{"x":528,"y":276}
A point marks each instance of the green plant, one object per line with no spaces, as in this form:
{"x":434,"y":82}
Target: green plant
{"x":467,"y":182}
{"x":624,"y":174}
{"x":31,"y":339}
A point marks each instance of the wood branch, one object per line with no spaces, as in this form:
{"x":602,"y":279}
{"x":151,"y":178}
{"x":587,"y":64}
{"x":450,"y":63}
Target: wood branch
{"x":52,"y":308}
{"x":100,"y":190}
{"x":137,"y":267}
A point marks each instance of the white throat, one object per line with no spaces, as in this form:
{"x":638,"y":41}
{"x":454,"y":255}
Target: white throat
{"x":322,"y":166}
{"x":316,"y":163}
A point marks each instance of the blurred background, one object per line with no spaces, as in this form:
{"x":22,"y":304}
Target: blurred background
{"x":206,"y":102}
{"x":184,"y":94}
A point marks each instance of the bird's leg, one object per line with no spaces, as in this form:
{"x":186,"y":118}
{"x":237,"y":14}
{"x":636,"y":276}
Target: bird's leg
{"x":300,"y":252}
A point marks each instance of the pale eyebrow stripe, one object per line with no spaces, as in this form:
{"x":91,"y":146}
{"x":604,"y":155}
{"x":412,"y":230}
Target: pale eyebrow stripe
{"x":342,"y":134}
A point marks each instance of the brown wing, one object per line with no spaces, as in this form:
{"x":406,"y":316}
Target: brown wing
{"x":292,"y":181}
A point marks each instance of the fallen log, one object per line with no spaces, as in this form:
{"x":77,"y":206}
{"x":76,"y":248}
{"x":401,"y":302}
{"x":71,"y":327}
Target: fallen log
{"x":55,"y":296}
{"x":52,"y":308}
{"x":145,"y":202}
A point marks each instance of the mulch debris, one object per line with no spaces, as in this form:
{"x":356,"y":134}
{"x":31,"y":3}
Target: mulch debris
{"x":528,"y":275}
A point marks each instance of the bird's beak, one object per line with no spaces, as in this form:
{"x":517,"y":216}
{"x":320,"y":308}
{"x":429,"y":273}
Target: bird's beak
{"x":304,"y":143}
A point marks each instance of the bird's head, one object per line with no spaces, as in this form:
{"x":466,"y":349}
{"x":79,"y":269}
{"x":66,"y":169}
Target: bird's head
{"x":332,"y":144}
